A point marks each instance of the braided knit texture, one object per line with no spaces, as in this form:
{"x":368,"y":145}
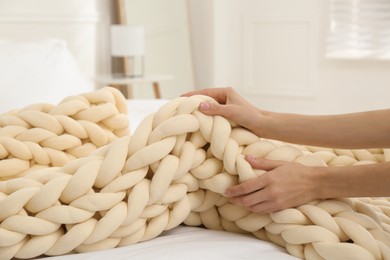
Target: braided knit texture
{"x":173,"y":170}
{"x":44,"y":135}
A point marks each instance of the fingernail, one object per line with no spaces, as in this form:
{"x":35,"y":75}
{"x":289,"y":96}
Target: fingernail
{"x":204,"y":106}
{"x":227,"y":193}
{"x":250,"y":157}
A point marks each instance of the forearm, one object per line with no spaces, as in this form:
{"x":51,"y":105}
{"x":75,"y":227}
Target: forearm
{"x":356,"y":130}
{"x":371,"y":180}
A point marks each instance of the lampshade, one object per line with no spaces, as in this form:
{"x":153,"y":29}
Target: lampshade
{"x":127,"y":40}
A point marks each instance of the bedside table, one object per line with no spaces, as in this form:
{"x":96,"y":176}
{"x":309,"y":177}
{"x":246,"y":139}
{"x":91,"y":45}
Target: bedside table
{"x":117,"y":81}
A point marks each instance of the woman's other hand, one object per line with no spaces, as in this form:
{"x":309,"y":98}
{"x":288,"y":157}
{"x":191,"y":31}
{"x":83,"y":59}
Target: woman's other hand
{"x":284,"y":185}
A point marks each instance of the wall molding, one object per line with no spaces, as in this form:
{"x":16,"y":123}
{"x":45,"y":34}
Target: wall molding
{"x":305,"y":84}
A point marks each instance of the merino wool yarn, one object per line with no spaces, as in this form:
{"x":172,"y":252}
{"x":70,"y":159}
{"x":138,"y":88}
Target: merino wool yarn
{"x":174,"y":170}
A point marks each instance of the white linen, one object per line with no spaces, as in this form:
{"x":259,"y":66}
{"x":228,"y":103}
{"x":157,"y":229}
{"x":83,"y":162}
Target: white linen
{"x":191,"y":243}
{"x":138,"y":109}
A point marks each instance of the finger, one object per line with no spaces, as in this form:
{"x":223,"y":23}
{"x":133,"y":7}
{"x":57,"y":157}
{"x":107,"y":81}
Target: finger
{"x":214,"y":109}
{"x":245,"y":187}
{"x":251,"y":199}
{"x":219,"y":94}
{"x":263,"y":207}
{"x":263,"y":164}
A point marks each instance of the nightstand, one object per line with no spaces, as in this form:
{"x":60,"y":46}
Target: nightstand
{"x":117,"y":81}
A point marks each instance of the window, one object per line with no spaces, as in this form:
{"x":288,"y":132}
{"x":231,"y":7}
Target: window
{"x":359,"y":29}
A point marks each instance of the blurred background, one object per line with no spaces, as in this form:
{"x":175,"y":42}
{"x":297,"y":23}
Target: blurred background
{"x":306,"y":56}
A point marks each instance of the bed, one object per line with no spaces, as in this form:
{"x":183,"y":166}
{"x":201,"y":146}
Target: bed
{"x":22,"y":83}
{"x":353,"y":228}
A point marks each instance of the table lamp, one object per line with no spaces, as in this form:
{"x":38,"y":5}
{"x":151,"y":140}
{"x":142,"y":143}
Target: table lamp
{"x":128,"y":41}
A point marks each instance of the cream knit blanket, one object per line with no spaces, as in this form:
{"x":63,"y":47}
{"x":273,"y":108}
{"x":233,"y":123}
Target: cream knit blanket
{"x":174,"y":169}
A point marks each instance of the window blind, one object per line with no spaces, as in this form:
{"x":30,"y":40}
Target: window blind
{"x":359,"y":29}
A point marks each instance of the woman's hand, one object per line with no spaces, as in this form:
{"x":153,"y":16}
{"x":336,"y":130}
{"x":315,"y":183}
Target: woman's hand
{"x":284,"y":185}
{"x":231,"y":106}
{"x":288,"y":184}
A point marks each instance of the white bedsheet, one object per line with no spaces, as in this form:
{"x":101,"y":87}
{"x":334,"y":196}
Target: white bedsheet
{"x":190,"y":243}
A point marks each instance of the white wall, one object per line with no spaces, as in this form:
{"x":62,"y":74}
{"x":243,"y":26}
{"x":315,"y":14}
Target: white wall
{"x":272,"y":52}
{"x":202,"y":37}
{"x":167,"y":43}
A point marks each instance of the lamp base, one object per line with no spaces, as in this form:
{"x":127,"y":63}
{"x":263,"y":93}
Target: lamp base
{"x":134,"y":67}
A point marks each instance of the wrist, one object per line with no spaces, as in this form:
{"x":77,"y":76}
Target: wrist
{"x":334,"y":182}
{"x":266,"y":122}
{"x":322,"y":187}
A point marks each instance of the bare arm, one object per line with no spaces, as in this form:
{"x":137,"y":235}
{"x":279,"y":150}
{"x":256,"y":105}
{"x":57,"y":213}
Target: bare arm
{"x":356,"y":130}
{"x":372,"y":180}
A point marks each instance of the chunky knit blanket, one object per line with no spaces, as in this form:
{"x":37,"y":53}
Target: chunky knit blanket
{"x":74,"y":180}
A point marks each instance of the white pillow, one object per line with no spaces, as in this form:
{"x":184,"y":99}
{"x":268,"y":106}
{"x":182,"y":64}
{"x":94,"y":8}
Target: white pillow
{"x":36,"y":72}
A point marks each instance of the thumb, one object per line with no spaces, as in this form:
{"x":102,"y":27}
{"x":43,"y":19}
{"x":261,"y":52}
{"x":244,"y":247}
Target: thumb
{"x":212,"y":109}
{"x":263,"y":164}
